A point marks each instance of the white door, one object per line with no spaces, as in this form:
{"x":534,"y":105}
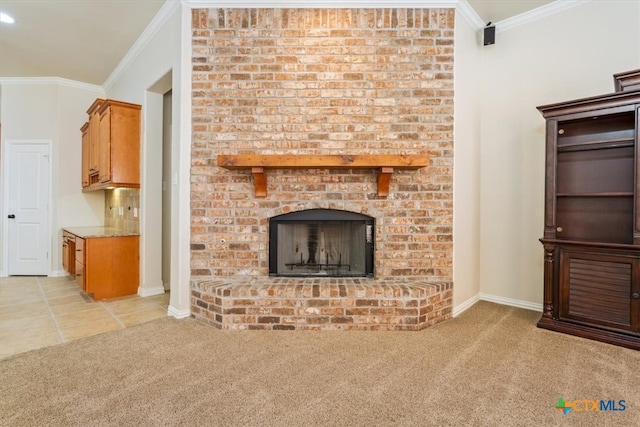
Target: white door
{"x":27,"y":186}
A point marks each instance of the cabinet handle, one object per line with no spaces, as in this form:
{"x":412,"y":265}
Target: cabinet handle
{"x":635,"y":295}
{"x":559,"y":229}
{"x":78,"y":275}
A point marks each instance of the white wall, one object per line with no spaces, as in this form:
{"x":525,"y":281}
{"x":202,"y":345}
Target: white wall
{"x":141,"y":81}
{"x":466,"y":166}
{"x":54,"y":109}
{"x":561,"y":57}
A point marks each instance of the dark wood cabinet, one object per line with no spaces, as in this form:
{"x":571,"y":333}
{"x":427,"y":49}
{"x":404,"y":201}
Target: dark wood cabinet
{"x":592,"y":218}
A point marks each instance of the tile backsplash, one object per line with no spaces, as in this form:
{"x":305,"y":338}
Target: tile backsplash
{"x":122,"y":209}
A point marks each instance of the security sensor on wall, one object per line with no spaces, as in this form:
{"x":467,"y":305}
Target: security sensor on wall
{"x":489,"y":34}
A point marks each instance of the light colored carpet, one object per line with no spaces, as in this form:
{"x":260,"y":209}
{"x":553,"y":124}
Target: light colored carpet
{"x":488,"y":367}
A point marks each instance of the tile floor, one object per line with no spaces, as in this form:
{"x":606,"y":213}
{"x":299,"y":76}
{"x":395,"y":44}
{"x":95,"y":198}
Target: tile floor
{"x":42,"y":311}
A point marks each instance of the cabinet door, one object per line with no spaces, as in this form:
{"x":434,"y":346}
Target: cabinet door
{"x":65,"y":255}
{"x":85,"y":155}
{"x":80,"y":263}
{"x":112,"y":266}
{"x":597,"y":289}
{"x":68,"y":253}
{"x":94,"y":141}
{"x":105,"y":145}
{"x":123,"y":162}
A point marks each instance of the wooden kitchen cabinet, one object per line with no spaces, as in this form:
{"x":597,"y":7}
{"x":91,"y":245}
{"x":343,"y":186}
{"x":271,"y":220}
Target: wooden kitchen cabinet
{"x":68,"y":253}
{"x":85,"y":154}
{"x":113,"y":145}
{"x":79,"y":264}
{"x":592,"y":218}
{"x":119,"y":144}
{"x":111,"y":266}
{"x":93,"y":141}
{"x":104,"y":266}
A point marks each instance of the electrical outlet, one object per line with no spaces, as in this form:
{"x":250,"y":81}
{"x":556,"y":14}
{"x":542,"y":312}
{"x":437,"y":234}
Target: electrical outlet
{"x":135,"y":212}
{"x":121,"y":210}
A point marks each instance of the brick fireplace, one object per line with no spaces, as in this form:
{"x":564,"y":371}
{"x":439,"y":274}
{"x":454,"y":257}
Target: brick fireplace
{"x":312,"y":82}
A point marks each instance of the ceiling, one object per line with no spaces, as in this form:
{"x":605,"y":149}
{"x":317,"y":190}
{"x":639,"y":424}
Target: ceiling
{"x":499,"y":10}
{"x":84,"y":40}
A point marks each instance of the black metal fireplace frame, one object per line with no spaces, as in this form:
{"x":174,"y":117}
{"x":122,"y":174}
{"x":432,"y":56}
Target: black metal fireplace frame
{"x":320,"y":215}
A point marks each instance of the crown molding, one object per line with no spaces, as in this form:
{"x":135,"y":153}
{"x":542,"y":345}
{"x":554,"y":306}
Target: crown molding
{"x":462,"y":6}
{"x":147,"y":35}
{"x":538,"y":13}
{"x":470,"y":15}
{"x":49,"y":81}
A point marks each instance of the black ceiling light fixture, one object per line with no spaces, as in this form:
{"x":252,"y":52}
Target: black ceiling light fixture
{"x":489,"y":34}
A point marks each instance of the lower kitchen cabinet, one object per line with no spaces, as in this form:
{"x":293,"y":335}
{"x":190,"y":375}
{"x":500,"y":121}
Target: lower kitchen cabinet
{"x":107,"y":266}
{"x":68,"y":252}
{"x":79,"y":263}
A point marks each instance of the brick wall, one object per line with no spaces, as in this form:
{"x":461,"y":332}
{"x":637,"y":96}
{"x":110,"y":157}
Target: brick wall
{"x":331,"y":81}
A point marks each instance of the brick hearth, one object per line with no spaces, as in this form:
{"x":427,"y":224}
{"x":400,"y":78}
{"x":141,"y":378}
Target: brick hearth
{"x":328,"y":304}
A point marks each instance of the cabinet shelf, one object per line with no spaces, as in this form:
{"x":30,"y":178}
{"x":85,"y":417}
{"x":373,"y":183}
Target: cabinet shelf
{"x":386,"y":163}
{"x":603,"y":194}
{"x":596,"y":145}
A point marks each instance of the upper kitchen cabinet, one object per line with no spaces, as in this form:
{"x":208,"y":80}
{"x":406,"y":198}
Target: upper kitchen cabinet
{"x":93,"y":136}
{"x":85,"y":154}
{"x":112,"y":144}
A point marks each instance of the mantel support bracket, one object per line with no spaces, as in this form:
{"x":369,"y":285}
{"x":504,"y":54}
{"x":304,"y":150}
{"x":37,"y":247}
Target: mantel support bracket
{"x":260,"y":181}
{"x":384,"y":180}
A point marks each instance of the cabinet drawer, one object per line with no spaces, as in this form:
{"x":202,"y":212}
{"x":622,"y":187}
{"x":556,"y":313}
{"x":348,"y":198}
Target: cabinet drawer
{"x":79,"y":263}
{"x":69,"y":252}
{"x":80,"y":275}
{"x":80,"y":249}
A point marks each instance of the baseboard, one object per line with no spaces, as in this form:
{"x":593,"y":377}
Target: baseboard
{"x":511,"y":302}
{"x":178,"y":314}
{"x":464,"y":306}
{"x":58,"y":273}
{"x":148,"y":292}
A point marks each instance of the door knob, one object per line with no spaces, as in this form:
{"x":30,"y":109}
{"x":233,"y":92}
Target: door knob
{"x":635,"y":295}
{"x":11,"y":216}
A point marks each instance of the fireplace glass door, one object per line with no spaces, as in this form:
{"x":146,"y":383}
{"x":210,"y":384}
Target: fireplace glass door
{"x":321,"y":242}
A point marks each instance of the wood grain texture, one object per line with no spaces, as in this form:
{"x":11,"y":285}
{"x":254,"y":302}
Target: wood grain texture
{"x":285,"y":161}
{"x":384,"y":162}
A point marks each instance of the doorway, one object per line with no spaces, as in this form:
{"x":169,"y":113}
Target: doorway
{"x":27,"y":190}
{"x":155,"y":212}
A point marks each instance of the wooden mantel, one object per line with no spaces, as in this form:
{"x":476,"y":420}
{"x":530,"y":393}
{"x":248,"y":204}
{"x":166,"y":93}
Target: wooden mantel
{"x":386,"y":163}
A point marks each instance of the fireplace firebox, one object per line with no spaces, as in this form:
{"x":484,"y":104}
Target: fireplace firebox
{"x":321,"y":242}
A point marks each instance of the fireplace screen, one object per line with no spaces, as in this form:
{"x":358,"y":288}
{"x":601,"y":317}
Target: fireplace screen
{"x":321,"y":242}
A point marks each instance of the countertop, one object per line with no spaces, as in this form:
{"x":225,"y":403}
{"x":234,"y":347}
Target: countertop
{"x":92,"y":232}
